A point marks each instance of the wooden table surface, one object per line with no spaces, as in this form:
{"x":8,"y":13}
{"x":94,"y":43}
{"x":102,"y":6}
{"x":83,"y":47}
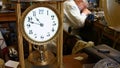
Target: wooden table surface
{"x":70,"y":62}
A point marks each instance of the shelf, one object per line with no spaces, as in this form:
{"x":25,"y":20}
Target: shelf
{"x":7,"y":17}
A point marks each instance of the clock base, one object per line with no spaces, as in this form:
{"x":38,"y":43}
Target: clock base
{"x":34,"y":58}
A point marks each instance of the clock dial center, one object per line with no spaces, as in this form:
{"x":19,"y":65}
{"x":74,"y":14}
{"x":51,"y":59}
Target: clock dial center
{"x":41,"y":24}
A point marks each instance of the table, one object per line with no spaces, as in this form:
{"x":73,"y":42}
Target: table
{"x":70,"y":62}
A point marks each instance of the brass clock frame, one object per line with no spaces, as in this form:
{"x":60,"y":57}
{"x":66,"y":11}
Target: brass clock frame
{"x":22,"y":23}
{"x":58,"y":7}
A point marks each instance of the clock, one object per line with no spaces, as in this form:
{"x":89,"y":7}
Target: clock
{"x":40,"y":24}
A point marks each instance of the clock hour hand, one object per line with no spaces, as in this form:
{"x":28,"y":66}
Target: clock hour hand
{"x":41,"y":24}
{"x":34,"y":23}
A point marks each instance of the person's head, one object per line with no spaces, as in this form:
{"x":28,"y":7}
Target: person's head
{"x":82,"y":4}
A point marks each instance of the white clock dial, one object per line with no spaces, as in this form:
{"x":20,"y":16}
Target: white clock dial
{"x":41,"y":24}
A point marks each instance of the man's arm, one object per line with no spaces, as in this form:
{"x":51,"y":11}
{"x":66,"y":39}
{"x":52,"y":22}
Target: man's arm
{"x":73,"y":13}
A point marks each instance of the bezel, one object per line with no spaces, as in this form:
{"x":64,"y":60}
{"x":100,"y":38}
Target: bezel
{"x":22,"y":24}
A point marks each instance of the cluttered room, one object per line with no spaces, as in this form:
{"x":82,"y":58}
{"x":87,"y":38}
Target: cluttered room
{"x":59,"y":34}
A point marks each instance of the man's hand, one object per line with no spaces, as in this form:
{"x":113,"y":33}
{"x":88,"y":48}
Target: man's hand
{"x":86,"y":11}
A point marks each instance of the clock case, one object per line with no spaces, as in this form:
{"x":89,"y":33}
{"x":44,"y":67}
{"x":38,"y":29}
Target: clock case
{"x":58,"y":6}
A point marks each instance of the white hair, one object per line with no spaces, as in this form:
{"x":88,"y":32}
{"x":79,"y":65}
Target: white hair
{"x":86,"y":1}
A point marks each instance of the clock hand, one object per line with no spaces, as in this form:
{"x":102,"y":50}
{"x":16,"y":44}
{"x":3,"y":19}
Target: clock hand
{"x":41,"y":24}
{"x":35,"y":23}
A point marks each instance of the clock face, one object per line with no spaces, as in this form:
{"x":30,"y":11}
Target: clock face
{"x":41,"y":24}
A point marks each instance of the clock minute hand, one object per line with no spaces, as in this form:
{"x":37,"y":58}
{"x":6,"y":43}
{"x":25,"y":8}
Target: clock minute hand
{"x":41,"y":24}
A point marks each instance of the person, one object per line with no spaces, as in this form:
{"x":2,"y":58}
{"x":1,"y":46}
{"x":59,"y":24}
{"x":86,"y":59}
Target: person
{"x":75,"y":15}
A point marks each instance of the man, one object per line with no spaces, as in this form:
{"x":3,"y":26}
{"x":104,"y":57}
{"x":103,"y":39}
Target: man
{"x":76,"y":13}
{"x":75,"y":16}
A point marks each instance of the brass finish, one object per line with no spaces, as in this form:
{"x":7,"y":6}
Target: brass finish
{"x":20,"y":38}
{"x":41,"y":58}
